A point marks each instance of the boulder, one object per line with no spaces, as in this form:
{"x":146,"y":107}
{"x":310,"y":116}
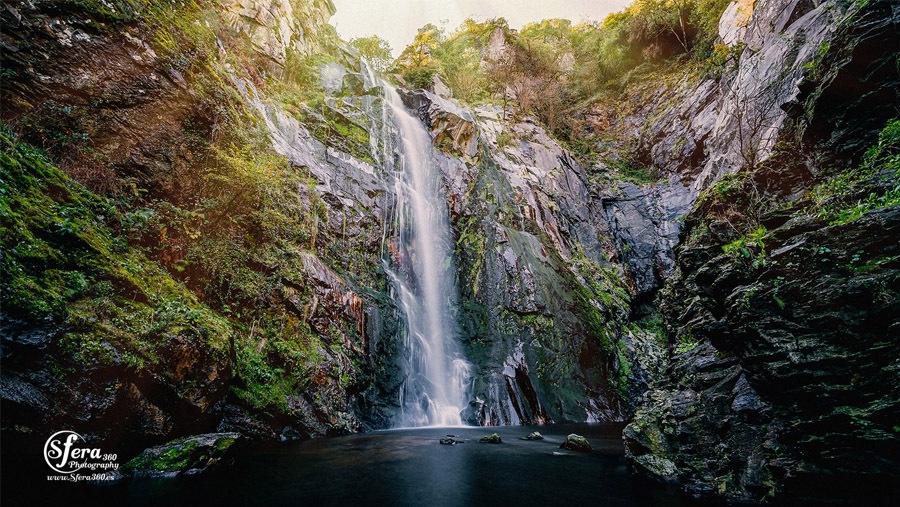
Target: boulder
{"x":491,"y":439}
{"x":185,"y":456}
{"x":575,"y":442}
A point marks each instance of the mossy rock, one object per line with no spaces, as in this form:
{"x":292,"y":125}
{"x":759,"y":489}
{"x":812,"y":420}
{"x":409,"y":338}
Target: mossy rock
{"x":492,"y":439}
{"x":185,"y":456}
{"x":657,"y":467}
{"x":576,"y":443}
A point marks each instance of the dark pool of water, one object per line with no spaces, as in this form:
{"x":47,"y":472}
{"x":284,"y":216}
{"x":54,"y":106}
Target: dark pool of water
{"x":395,"y":468}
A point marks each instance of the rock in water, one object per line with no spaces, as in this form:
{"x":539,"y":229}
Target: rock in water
{"x":185,"y":456}
{"x":534,"y":435}
{"x":492,"y":439}
{"x":576,"y":443}
{"x":451,"y":440}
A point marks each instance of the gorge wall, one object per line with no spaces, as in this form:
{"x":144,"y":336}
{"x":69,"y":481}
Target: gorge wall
{"x":198,"y":236}
{"x":783,"y":301}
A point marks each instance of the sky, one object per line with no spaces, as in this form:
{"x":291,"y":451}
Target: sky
{"x":398,"y":20}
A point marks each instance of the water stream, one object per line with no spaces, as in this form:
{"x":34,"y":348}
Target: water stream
{"x":436,"y":387}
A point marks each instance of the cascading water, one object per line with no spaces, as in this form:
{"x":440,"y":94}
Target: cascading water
{"x":437,"y":384}
{"x":420,"y":244}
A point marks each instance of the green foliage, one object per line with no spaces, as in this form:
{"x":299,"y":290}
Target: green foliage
{"x":416,"y":61}
{"x":873,"y":185}
{"x":686,"y":343}
{"x":275,"y":364}
{"x":722,"y":59}
{"x":184,"y":33}
{"x":300,"y":83}
{"x":375,"y":50}
{"x":654,"y":324}
{"x":750,"y":247}
{"x":727,"y":188}
{"x":627,"y":171}
{"x":460,"y":59}
{"x":777,"y":283}
{"x":550,"y":68}
{"x":63,"y":265}
{"x":419,"y":78}
{"x":668,"y":26}
{"x":506,"y":139}
{"x":813,"y":67}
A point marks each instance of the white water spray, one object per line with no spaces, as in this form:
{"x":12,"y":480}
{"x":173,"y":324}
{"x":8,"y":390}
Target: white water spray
{"x":438,"y":377}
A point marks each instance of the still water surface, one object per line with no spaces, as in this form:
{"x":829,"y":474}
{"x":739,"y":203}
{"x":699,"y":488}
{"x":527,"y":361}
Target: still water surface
{"x":407,"y":468}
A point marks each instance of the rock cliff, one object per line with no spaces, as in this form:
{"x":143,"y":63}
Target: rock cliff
{"x":782,"y":303}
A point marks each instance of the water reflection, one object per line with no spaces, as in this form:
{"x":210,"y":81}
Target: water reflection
{"x":390,"y":468}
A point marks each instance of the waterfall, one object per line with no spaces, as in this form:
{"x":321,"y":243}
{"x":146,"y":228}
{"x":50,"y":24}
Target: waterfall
{"x":418,"y":240}
{"x":437,"y":383}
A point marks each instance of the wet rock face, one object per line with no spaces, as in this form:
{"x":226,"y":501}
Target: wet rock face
{"x":452,"y":127}
{"x":853,"y":82}
{"x":644,"y":222}
{"x":493,"y":438}
{"x":57,"y":83}
{"x":42,"y":387}
{"x":533,"y":266}
{"x":796,"y":66}
{"x":777,"y":386}
{"x":135,"y":107}
{"x":790,"y":377}
{"x":276,"y":26}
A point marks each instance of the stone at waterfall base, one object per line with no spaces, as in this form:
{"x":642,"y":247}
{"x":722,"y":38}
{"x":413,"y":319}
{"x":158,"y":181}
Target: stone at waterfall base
{"x":451,"y":440}
{"x":576,"y":443}
{"x":534,"y":435}
{"x":492,"y":439}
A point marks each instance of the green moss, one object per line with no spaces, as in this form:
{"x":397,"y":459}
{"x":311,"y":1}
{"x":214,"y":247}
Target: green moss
{"x":419,"y":78}
{"x":603,"y":299}
{"x":61,"y":263}
{"x":114,"y":12}
{"x":724,"y":190}
{"x":180,"y":455}
{"x":654,"y":324}
{"x":628,"y":171}
{"x":814,"y":67}
{"x":225,"y":443}
{"x":686,"y":343}
{"x":339,"y":132}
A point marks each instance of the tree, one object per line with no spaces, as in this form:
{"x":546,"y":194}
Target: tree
{"x":418,"y":54}
{"x":654,"y":20}
{"x":375,"y":50}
